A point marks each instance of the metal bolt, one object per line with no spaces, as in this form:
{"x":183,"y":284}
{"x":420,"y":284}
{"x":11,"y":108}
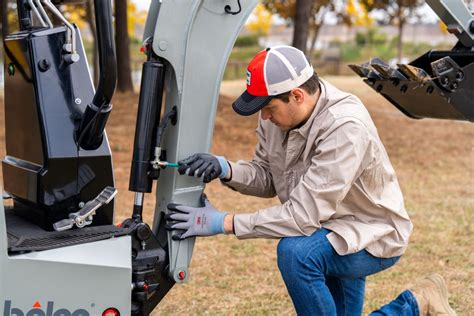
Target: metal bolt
{"x":163,"y":45}
{"x":459,"y":76}
{"x":78,"y":101}
{"x":445,"y":81}
{"x":67,"y":48}
{"x":81,"y":204}
{"x":44,"y":65}
{"x":454,"y":86}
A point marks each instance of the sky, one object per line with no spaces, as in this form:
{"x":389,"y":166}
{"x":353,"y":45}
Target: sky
{"x":142,"y":4}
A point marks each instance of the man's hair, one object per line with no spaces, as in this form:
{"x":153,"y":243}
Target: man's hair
{"x":311,"y":86}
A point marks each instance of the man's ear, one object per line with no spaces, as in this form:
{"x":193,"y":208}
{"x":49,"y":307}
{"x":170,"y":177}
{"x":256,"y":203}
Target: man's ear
{"x":298,"y":95}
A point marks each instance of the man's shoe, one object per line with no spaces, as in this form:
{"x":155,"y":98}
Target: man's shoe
{"x":432,"y":296}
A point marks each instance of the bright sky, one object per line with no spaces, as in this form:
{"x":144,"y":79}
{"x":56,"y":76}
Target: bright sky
{"x":142,"y":4}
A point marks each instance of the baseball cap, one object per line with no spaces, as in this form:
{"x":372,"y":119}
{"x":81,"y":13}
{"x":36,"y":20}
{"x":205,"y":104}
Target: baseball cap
{"x":271,"y":72}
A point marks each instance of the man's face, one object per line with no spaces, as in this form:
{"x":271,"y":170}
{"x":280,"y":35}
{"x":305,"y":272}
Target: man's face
{"x":282,"y":114}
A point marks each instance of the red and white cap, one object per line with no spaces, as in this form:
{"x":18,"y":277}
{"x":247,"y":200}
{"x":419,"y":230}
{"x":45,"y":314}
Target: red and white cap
{"x":271,"y":72}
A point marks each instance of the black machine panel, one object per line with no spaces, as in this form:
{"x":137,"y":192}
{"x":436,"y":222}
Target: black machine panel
{"x":47,"y":174}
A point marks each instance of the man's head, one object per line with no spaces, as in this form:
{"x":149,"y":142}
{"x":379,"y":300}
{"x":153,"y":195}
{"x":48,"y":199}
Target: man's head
{"x":282,"y":84}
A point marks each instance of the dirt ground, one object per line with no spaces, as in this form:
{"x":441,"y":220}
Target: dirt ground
{"x":434,"y":160}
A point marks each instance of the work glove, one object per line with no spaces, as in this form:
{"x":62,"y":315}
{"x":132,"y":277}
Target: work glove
{"x":206,"y":165}
{"x":195,"y":221}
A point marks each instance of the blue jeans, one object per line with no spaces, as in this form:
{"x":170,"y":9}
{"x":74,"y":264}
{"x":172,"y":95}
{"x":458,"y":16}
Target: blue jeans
{"x":321,"y":282}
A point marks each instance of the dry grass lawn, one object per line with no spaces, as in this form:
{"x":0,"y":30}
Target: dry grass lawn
{"x":434,"y":160}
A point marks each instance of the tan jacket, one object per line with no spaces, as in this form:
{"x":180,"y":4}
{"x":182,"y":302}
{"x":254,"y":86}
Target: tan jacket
{"x":332,"y":172}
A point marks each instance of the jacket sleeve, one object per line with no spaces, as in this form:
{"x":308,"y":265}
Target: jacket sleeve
{"x":253,"y":177}
{"x":339,"y":159}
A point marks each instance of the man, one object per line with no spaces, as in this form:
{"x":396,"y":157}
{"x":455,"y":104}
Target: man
{"x":342,"y":215}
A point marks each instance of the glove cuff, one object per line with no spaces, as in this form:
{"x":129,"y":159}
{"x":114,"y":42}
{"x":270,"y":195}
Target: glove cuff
{"x":224,"y":166}
{"x":217,"y":225}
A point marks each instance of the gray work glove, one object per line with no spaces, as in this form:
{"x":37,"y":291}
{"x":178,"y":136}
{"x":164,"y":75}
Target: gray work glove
{"x":207,"y":165}
{"x":195,"y":221}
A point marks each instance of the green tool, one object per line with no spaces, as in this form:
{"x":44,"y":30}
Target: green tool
{"x":164,"y":164}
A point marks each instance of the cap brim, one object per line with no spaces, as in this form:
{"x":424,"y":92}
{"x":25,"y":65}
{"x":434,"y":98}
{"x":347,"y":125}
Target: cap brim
{"x":248,"y":104}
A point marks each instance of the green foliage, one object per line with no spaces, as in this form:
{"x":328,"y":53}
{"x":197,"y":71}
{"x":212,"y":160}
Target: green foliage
{"x":386,"y":50}
{"x":370,"y":37}
{"x":244,"y":53}
{"x":247,"y":40}
{"x":350,"y":52}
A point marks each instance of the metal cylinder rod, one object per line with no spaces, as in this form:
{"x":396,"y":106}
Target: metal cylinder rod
{"x":44,"y":14}
{"x":72,"y":32}
{"x":139,"y":197}
{"x":138,"y":205}
{"x":38,"y":15}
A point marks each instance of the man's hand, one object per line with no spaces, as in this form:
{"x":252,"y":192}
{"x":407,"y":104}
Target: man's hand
{"x":195,"y":221}
{"x":208,"y":165}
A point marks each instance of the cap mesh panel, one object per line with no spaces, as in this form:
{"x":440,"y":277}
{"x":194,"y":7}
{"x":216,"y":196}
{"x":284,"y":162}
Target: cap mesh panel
{"x":276,"y":71}
{"x":296,"y":59}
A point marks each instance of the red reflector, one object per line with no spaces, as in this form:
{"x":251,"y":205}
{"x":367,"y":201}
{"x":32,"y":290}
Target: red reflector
{"x":181,"y":275}
{"x":145,"y":287}
{"x":111,"y":312}
{"x":142,"y":49}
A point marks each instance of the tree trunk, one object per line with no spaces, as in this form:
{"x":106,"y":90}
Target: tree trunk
{"x":318,"y":23}
{"x":95,"y":52}
{"x":302,"y":16}
{"x":3,"y":16}
{"x":400,"y":40}
{"x":314,"y":38}
{"x":122,"y":43}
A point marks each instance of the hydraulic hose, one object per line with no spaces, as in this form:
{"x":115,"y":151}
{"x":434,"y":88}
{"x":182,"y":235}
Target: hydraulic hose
{"x":90,"y":133}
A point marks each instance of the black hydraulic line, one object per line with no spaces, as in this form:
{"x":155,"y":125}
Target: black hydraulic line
{"x":95,"y":117}
{"x":107,"y":55}
{"x":170,"y":116}
{"x":24,"y":15}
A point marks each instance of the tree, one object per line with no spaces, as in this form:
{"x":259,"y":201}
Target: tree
{"x":301,"y":29}
{"x":320,"y":9}
{"x":122,"y":44}
{"x":95,"y":54}
{"x":3,"y":16}
{"x":397,"y":12}
{"x":260,"y":21}
{"x":8,"y":16}
{"x":316,"y":9}
{"x":355,"y":14}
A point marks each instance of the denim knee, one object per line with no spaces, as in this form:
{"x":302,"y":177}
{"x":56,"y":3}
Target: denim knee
{"x":292,"y":254}
{"x":284,"y":254}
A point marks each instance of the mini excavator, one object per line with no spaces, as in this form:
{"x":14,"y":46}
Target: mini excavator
{"x":60,"y":252}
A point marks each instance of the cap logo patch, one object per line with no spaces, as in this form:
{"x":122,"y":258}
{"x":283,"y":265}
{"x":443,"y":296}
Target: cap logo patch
{"x":249,"y":77}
